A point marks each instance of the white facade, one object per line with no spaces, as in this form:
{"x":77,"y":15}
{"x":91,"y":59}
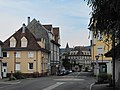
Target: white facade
{"x":54,"y":53}
{"x":109,"y":67}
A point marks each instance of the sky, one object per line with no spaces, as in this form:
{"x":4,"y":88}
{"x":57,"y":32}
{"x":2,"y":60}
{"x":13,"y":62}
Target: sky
{"x":71,"y":16}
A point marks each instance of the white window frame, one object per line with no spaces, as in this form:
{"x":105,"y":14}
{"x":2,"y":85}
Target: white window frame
{"x":31,"y":54}
{"x":18,"y":54}
{"x":29,"y":66}
{"x":24,"y":42}
{"x":12,"y":42}
{"x":17,"y":66}
{"x":4,"y":64}
{"x":100,"y":50}
{"x":7,"y":55}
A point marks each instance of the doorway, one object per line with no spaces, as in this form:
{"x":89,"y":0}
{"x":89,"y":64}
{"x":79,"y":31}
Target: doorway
{"x":4,"y":70}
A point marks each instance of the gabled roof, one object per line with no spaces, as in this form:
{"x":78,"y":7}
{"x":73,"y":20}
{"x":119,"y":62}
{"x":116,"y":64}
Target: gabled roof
{"x":48,"y":27}
{"x":80,"y":49}
{"x":39,"y":32}
{"x":32,"y":42}
{"x":1,"y":43}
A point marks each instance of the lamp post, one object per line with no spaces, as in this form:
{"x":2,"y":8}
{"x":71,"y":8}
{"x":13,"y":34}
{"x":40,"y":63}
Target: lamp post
{"x":97,"y":66}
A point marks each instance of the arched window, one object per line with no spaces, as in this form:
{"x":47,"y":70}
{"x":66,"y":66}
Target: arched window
{"x":12,"y":42}
{"x":24,"y":42}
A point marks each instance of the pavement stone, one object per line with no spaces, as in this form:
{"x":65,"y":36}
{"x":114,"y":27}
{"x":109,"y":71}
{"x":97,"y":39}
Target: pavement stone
{"x":102,"y":87}
{"x":7,"y":81}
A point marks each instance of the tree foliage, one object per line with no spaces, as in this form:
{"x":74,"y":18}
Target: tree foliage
{"x":66,"y":63}
{"x":105,"y":17}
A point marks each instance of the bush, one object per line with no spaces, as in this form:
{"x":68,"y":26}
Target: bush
{"x":104,"y":78}
{"x":35,"y":74}
{"x":18,"y":75}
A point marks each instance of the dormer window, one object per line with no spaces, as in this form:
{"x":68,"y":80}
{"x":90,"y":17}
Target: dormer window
{"x":12,"y":42}
{"x":24,"y":42}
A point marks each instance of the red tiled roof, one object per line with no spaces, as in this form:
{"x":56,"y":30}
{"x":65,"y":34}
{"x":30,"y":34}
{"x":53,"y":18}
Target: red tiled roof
{"x":32,"y":42}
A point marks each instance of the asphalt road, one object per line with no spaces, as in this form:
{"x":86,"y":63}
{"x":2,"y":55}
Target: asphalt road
{"x":74,"y":81}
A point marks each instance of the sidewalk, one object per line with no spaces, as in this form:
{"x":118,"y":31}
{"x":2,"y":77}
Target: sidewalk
{"x":102,"y":87}
{"x":7,"y":81}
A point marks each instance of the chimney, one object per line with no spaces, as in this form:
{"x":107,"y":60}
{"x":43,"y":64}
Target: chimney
{"x":28,"y":20}
{"x":23,"y":28}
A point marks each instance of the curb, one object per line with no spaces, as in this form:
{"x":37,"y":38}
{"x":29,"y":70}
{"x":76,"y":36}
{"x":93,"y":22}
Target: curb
{"x":10,"y":82}
{"x":91,"y":86}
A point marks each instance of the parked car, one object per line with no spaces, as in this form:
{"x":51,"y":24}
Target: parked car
{"x":70,"y":71}
{"x":63,"y":72}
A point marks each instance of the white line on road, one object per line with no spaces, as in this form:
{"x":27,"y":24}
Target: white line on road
{"x":54,"y":86}
{"x":91,"y":86}
{"x":69,"y":79}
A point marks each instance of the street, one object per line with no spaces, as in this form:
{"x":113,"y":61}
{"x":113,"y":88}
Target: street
{"x":73,"y":81}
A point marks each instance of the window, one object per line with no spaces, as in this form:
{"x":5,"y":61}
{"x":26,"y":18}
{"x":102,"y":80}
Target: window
{"x":12,"y":42}
{"x":88,"y":53}
{"x":17,"y":54}
{"x":30,"y":54}
{"x":30,"y":66}
{"x":17,"y":66}
{"x":5,"y":54}
{"x":100,"y":50}
{"x":82,"y":53}
{"x":23,"y":42}
{"x":4,"y":64}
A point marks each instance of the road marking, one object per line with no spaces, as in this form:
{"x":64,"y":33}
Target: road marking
{"x":54,"y":86}
{"x":91,"y":86}
{"x":9,"y":82}
{"x":69,"y":79}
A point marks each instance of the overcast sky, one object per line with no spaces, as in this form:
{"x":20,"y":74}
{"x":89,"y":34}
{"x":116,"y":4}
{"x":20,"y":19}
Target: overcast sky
{"x":71,"y":16}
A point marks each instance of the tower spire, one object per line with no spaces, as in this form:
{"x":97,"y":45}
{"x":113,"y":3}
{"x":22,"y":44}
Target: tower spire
{"x":67,"y":46}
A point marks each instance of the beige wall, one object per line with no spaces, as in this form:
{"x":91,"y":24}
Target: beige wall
{"x":105,"y":46}
{"x":24,"y":60}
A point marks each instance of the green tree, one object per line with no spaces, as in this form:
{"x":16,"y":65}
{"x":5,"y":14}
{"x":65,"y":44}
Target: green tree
{"x":105,"y":17}
{"x":66,"y":63}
